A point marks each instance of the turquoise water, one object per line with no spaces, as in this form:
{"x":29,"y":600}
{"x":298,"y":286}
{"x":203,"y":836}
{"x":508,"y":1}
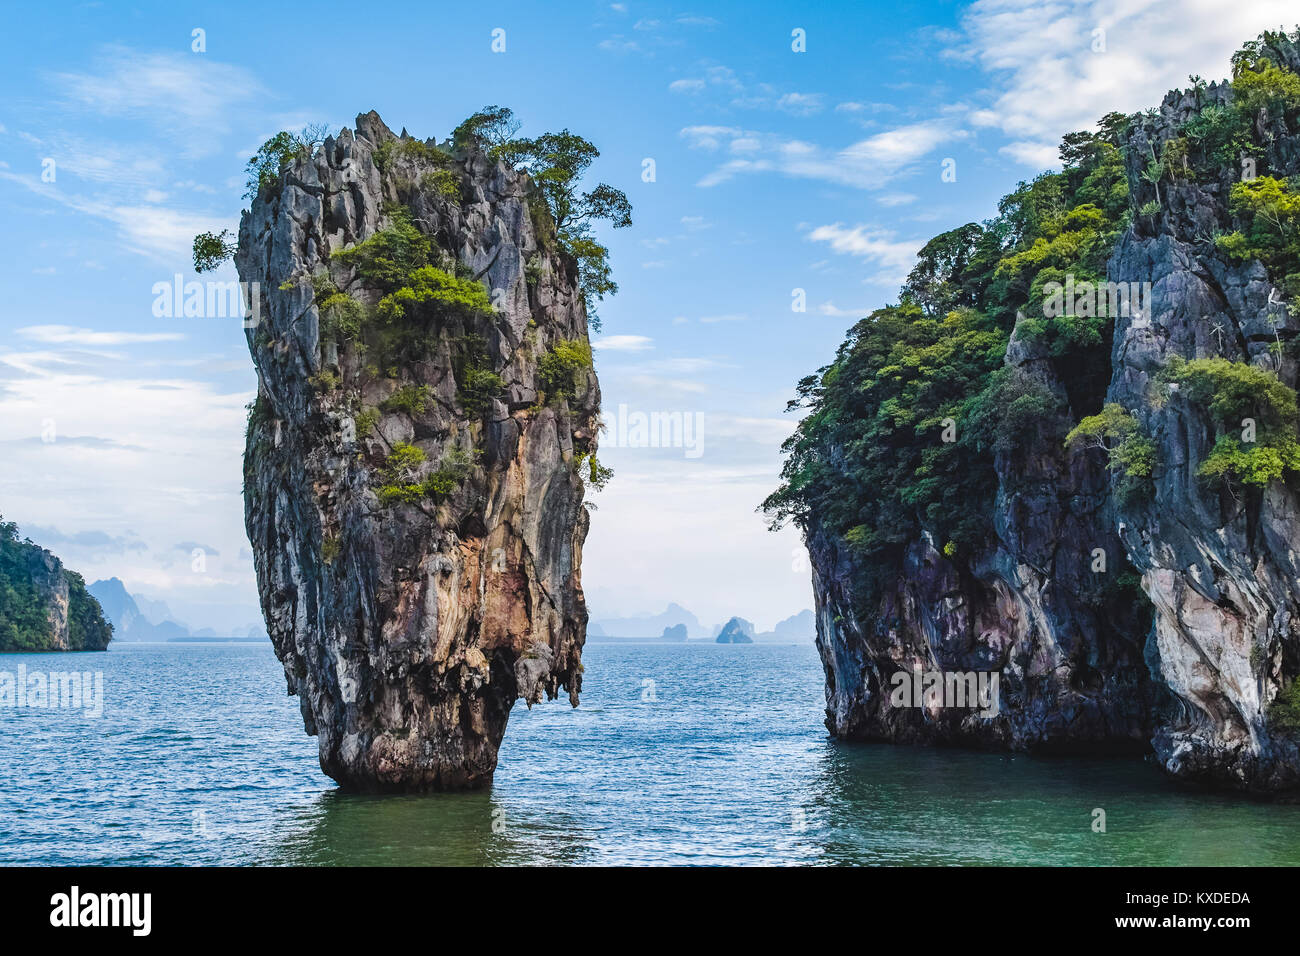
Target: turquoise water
{"x":200,"y":758}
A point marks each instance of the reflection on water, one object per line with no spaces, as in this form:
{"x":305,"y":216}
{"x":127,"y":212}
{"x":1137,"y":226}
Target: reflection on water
{"x":469,"y":829}
{"x":679,"y":754}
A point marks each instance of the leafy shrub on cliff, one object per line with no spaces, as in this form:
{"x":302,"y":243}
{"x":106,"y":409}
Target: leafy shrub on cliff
{"x":1219,"y":134}
{"x":1242,"y":398}
{"x":340,"y":314}
{"x":366,"y":421}
{"x":386,"y":258}
{"x":442,"y":182}
{"x":1270,"y":212}
{"x":476,"y":383}
{"x":265,"y":168}
{"x":396,"y":260}
{"x":1261,"y":85}
{"x":407,"y":148}
{"x":212,"y":249}
{"x":592,"y":471}
{"x":411,"y":399}
{"x":477,"y":388}
{"x":400,"y":474}
{"x":431,"y":285}
{"x":1130,"y":454}
{"x":401,"y":480}
{"x":559,"y":370}
{"x":1284,"y":711}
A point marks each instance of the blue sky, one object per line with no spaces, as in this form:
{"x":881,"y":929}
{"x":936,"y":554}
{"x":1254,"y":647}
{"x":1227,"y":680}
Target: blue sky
{"x":775,"y":170}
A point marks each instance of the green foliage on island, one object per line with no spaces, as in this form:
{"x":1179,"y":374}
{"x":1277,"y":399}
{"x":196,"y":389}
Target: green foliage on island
{"x":267,"y":166}
{"x":556,"y":163}
{"x":366,"y":421}
{"x":407,"y":148}
{"x":397,"y":261}
{"x":1269,"y":211}
{"x":212,"y":249}
{"x":1218,"y":135}
{"x":564,"y":366}
{"x":25,"y":608}
{"x":596,"y":475}
{"x":476,"y":384}
{"x":411,"y":399}
{"x":418,"y":297}
{"x":1284,"y":712}
{"x":902,"y":430}
{"x":873,"y":465}
{"x":1130,"y":454}
{"x":1233,"y":394}
{"x":404,"y":481}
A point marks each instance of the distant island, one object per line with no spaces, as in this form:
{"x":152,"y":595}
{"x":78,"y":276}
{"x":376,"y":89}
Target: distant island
{"x":677,"y":624}
{"x":137,"y":618}
{"x":736,"y":631}
{"x":43,"y":605}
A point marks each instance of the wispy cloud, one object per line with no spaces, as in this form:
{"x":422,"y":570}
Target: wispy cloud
{"x":830,"y":308}
{"x":623,"y":343}
{"x":746,"y":95}
{"x":165,"y":89}
{"x":892,"y":257}
{"x":160,"y":232}
{"x":870,"y":163}
{"x":82,"y":541}
{"x":67,"y":335}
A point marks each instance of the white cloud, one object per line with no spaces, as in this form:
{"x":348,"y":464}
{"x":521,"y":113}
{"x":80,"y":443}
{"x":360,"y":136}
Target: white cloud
{"x":67,"y":335}
{"x":1049,"y":81}
{"x":893,"y":257}
{"x":153,"y":458}
{"x":618,"y":44}
{"x":896,"y":199}
{"x":167,"y":89}
{"x":1035,"y":155}
{"x":800,"y":104}
{"x":159,"y":232}
{"x":830,"y":308}
{"x":867,"y":164}
{"x":623,"y":343}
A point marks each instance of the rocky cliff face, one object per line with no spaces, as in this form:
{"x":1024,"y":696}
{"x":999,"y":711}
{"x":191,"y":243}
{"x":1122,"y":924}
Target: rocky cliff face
{"x":1221,"y":571}
{"x":412,"y":487}
{"x":1190,"y":671}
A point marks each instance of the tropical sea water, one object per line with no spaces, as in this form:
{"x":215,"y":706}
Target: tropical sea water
{"x":679,"y":754}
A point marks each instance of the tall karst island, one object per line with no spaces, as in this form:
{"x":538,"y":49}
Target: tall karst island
{"x":424,"y":434}
{"x":1068,"y":456}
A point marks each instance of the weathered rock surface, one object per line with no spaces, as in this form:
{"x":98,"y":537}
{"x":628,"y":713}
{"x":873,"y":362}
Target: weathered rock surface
{"x":1223,"y":574}
{"x":1189,"y":677}
{"x":409,"y":630}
